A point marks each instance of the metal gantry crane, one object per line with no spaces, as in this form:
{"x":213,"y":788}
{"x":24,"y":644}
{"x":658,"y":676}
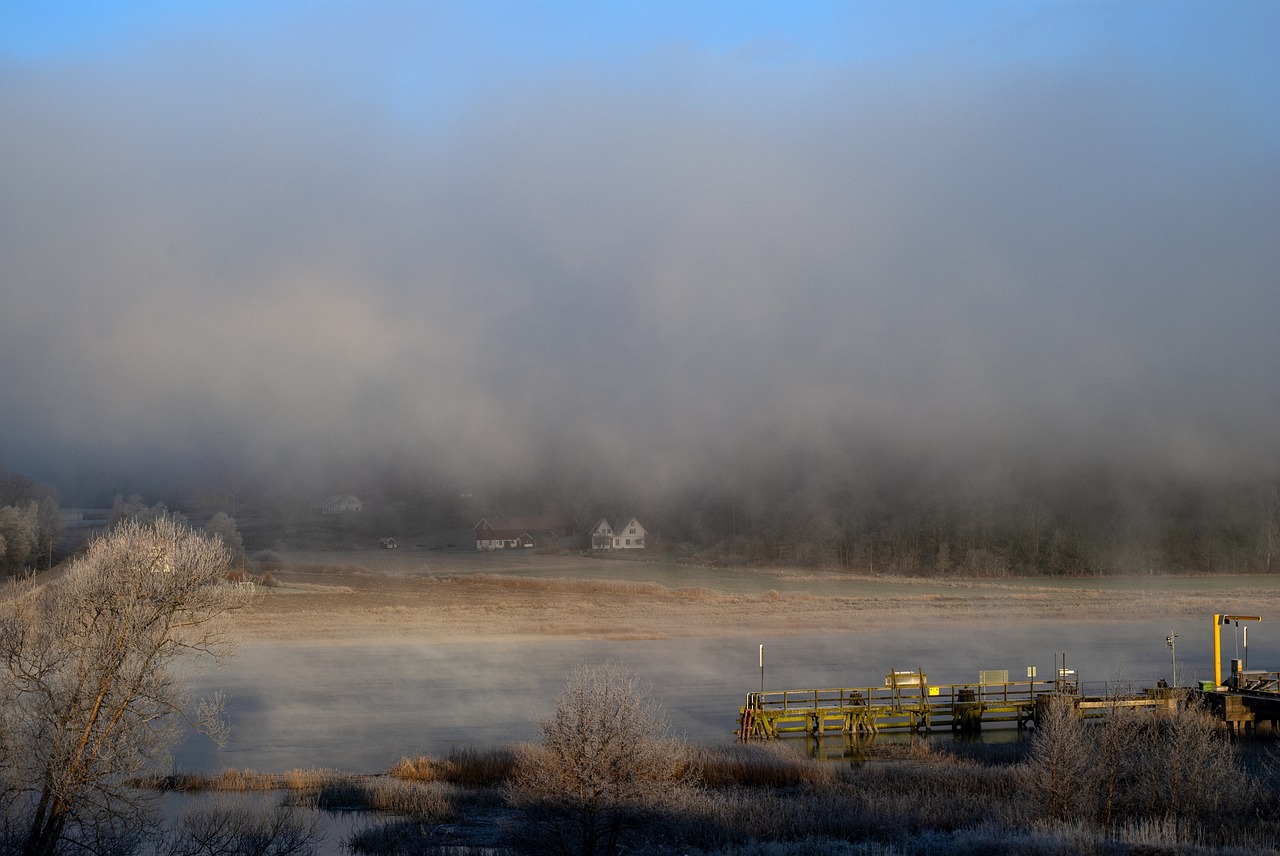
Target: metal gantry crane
{"x":1219,"y":620}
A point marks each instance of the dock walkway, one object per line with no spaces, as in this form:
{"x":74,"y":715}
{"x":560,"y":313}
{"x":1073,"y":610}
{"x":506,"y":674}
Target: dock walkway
{"x":916,"y":706}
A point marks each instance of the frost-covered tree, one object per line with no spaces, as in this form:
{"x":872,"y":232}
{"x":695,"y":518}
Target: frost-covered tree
{"x":90,"y":692}
{"x":223,"y":527}
{"x":19,"y":527}
{"x":605,"y":762}
{"x":1061,"y":767}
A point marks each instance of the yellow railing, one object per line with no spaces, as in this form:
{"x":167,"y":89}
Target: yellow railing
{"x":908,"y":704}
{"x":918,"y":696}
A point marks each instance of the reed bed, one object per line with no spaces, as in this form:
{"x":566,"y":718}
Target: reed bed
{"x":430,"y":802}
{"x":243,"y":781}
{"x":465,"y":767}
{"x":755,"y":766}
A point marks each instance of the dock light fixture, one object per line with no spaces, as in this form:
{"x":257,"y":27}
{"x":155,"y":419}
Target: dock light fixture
{"x":1173,"y":652}
{"x":762,"y":668}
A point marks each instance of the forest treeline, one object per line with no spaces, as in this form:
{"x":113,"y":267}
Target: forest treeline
{"x":896,"y":518}
{"x":913,"y":520}
{"x":1086,"y":524}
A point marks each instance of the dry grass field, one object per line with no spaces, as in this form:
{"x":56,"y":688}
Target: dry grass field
{"x":464,"y":597}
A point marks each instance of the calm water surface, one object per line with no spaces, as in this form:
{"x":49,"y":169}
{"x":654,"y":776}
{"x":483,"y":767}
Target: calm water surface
{"x":361,"y":707}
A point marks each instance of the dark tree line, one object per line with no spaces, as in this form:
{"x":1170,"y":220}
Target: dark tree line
{"x":873,"y":514}
{"x":1089,"y":523}
{"x":904,"y":518}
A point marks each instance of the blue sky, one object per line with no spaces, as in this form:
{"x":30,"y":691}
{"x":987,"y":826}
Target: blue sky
{"x":459,"y":45}
{"x":743,"y":232}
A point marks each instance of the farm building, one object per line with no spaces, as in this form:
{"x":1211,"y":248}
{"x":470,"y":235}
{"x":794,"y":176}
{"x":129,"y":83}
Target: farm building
{"x":508,"y":533}
{"x":341,"y":503}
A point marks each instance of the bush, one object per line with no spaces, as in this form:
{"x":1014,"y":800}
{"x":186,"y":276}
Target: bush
{"x":606,"y":765}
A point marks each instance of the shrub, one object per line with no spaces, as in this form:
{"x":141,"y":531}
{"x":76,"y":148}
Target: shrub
{"x":606,"y":764}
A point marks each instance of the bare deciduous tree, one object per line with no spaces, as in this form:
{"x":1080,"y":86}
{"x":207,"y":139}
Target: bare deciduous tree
{"x":605,"y":761}
{"x":1115,"y":762}
{"x":1188,"y":768}
{"x":1061,"y":758}
{"x":88,"y":694}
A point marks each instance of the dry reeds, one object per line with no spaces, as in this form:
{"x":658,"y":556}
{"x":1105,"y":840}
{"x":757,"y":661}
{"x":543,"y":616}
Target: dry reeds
{"x":760,"y":766}
{"x":243,"y":781}
{"x":415,"y":800}
{"x":420,"y":769}
{"x":474,"y":768}
{"x":465,"y":767}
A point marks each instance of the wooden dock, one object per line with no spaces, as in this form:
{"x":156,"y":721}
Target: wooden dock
{"x":907,"y":701}
{"x":917,"y":706}
{"x":1250,"y":699}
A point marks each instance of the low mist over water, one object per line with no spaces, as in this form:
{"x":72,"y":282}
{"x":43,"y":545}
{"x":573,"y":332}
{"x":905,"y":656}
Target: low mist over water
{"x":362,"y":707}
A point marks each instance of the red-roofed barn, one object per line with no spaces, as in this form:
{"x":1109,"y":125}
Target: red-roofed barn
{"x":511,"y":533}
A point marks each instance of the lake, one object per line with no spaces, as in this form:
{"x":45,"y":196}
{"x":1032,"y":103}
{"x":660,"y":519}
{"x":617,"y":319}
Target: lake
{"x":360,"y":707}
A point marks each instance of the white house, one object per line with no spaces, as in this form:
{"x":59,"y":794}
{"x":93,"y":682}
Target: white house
{"x":628,"y":537}
{"x":602,"y":535}
{"x":341,"y":503}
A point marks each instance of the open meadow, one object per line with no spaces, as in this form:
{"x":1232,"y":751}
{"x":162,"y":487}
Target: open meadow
{"x":477,"y":597}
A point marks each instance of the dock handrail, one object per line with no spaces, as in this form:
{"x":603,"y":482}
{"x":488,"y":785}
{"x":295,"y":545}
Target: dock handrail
{"x":917,"y":696}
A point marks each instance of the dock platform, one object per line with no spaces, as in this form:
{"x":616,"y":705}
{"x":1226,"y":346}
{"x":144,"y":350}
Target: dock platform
{"x":916,"y":706}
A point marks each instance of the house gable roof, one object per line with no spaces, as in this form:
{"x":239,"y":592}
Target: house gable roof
{"x":524,"y":524}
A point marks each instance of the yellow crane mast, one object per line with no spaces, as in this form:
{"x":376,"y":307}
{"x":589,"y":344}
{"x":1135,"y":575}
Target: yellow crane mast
{"x":1219,"y":620}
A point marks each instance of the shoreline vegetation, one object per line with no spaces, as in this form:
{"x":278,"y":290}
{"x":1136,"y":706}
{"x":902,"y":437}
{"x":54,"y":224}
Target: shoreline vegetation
{"x":1136,"y":784}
